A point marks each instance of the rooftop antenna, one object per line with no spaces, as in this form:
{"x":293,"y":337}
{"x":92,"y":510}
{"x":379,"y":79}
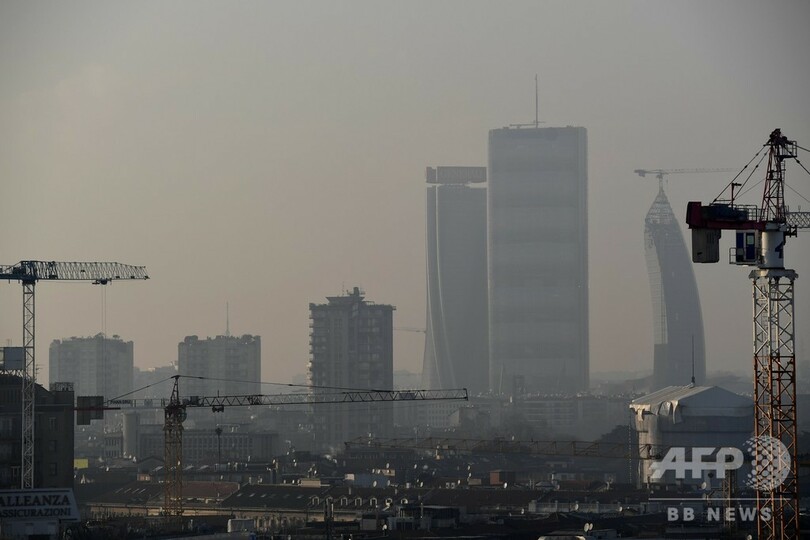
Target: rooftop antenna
{"x":227,"y":320}
{"x":693,"y":360}
{"x":537,"y":122}
{"x":536,"y":104}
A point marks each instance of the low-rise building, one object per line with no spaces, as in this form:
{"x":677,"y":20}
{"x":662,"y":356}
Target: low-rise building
{"x":53,"y":434}
{"x":690,"y":416}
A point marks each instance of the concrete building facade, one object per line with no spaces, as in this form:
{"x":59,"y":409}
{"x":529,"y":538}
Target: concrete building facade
{"x":691,"y":416}
{"x":149,"y":378}
{"x":53,"y":434}
{"x":97,"y":366}
{"x":230,"y":365}
{"x":538,"y":260}
{"x":351,"y":346}
{"x":456,"y":339}
{"x":234,"y":443}
{"x":585,"y":417}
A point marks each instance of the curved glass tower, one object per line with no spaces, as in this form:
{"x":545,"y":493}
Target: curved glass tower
{"x":677,"y":318}
{"x":456,"y":340}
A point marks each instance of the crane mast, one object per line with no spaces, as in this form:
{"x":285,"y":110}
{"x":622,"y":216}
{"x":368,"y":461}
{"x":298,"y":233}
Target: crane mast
{"x":761,"y":233}
{"x":28,"y":273}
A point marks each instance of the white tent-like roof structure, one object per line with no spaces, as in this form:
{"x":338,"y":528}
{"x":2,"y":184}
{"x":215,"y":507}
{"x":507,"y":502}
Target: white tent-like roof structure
{"x":676,"y":402}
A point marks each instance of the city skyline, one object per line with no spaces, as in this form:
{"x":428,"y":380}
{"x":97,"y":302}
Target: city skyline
{"x":269,"y":166}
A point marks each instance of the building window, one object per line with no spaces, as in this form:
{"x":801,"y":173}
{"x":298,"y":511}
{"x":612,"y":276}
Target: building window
{"x":6,"y":426}
{"x":52,"y":423}
{"x":52,"y":468}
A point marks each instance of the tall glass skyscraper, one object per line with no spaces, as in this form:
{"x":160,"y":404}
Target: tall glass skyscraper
{"x":538,"y":260}
{"x":456,"y":340}
{"x":677,"y":318}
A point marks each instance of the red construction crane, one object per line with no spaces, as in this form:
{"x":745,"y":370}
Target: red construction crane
{"x":761,"y":233}
{"x":28,"y":273}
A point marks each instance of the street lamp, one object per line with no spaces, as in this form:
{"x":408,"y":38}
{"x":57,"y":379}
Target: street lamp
{"x":218,"y":431}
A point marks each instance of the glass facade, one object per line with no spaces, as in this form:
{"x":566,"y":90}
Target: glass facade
{"x":456,"y":341}
{"x":538,"y":260}
{"x":677,"y":317}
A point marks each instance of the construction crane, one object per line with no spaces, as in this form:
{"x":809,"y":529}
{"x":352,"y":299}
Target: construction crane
{"x":175,"y":415}
{"x":761,"y":233}
{"x":660,"y":173}
{"x":28,"y":273}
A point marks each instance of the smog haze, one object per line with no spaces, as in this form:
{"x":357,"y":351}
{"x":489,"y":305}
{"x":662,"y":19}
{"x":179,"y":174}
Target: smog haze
{"x":270,"y":154}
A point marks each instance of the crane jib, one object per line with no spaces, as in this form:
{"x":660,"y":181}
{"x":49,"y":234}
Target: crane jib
{"x":360,"y":396}
{"x":99,"y":272}
{"x":28,"y":273}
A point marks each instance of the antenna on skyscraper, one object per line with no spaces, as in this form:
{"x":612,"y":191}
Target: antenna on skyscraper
{"x":227,"y":320}
{"x":537,"y":122}
{"x":693,"y":359}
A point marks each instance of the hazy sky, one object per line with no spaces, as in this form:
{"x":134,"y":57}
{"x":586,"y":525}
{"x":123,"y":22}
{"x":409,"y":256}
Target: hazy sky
{"x":269,"y":154}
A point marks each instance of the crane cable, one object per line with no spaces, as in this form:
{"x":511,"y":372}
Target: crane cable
{"x":742,"y":193}
{"x":797,"y":160}
{"x":741,"y":171}
{"x":753,"y":170}
{"x":796,"y":192}
{"x":139,"y":389}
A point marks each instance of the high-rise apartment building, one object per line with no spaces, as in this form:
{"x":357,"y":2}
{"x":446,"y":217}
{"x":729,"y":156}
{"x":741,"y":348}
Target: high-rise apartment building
{"x":229,"y":365}
{"x":351,"y":346}
{"x":97,"y":366}
{"x":148,"y":380}
{"x":679,"y":349}
{"x":538,"y":260}
{"x":456,"y":340}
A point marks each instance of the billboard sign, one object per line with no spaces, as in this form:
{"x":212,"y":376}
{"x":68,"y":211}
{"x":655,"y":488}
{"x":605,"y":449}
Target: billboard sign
{"x":38,"y":504}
